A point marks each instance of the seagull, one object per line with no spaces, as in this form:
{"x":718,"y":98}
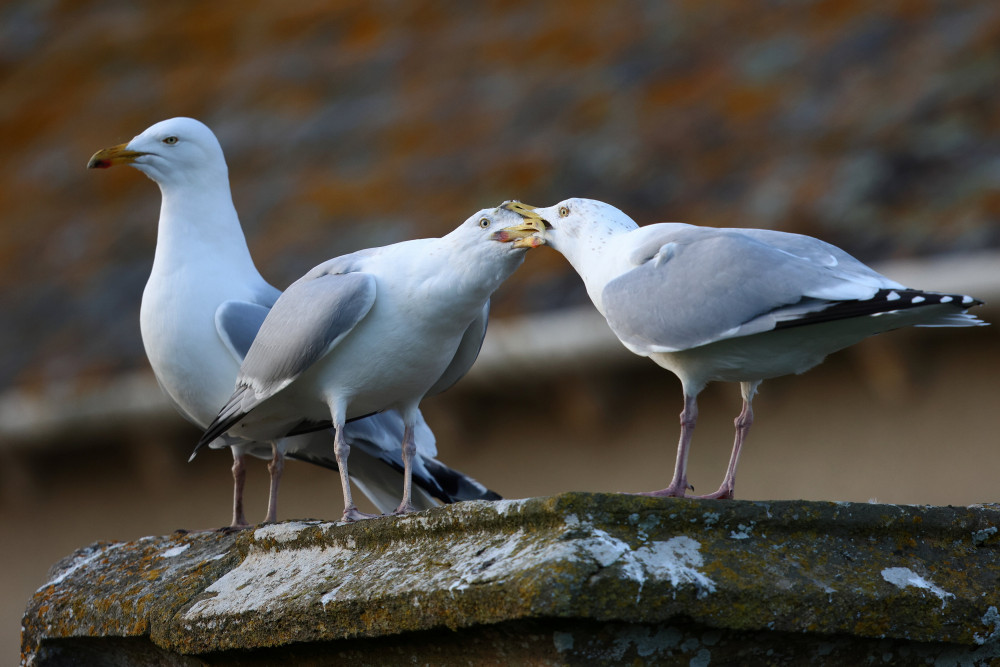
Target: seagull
{"x":728,"y":305}
{"x":202,"y":307}
{"x":377,"y":329}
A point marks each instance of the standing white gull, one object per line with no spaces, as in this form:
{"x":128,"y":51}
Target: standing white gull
{"x":204,"y":303}
{"x":729,"y":305}
{"x":374,"y":330}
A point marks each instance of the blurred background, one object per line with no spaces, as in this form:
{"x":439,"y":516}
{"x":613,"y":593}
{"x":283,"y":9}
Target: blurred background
{"x":874,"y":126}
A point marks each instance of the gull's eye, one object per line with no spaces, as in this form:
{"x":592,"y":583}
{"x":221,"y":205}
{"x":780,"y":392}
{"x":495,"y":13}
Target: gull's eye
{"x":170,"y":141}
{"x":484,"y":223}
{"x":563,"y":211}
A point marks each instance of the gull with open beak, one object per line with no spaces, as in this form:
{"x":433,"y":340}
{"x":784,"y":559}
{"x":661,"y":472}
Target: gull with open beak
{"x":729,"y":305}
{"x":374,"y":330}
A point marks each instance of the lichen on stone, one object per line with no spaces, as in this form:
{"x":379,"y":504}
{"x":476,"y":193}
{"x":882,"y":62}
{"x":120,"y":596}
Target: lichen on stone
{"x":905,"y":574}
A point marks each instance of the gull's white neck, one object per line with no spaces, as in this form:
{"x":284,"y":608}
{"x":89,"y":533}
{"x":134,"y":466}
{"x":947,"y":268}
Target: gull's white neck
{"x":593,"y":254}
{"x":471,"y":272}
{"x":198,"y":223}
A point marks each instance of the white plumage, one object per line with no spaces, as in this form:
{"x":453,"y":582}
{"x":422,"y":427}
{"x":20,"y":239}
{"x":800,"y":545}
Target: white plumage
{"x":204,"y":303}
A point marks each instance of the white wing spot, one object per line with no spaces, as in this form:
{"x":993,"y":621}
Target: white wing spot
{"x":966,"y":299}
{"x":946,"y":299}
{"x":918,"y":299}
{"x":892,"y":296}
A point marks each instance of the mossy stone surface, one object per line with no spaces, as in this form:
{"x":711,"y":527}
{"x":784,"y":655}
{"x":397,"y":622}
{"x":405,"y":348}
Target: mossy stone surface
{"x":921,"y":578}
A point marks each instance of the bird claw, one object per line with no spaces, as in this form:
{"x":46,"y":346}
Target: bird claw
{"x":722,"y":494}
{"x":352,"y":514}
{"x":672,"y":491}
{"x":404,"y":508}
{"x":235,"y":528}
{"x":663,"y":493}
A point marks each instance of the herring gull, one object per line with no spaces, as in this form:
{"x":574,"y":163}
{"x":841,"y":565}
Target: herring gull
{"x":377,"y":329}
{"x":728,"y":305}
{"x":203,"y":305}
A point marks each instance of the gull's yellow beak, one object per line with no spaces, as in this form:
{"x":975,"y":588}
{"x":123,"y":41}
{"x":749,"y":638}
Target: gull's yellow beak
{"x":109,"y":157}
{"x":524,"y":234}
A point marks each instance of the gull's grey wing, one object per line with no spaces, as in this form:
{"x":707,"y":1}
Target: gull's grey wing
{"x":467,"y":353}
{"x":703,"y":284}
{"x":820,"y":253}
{"x":237,"y":323}
{"x":305,"y":323}
{"x":312,"y":315}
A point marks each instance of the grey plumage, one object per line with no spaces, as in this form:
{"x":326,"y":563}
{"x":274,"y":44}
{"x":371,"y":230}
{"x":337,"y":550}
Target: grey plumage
{"x":732,"y":305}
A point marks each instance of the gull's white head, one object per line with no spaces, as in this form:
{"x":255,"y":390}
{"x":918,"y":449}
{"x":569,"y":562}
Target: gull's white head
{"x":583,"y":219}
{"x":493,"y":229}
{"x":481,"y":249}
{"x":171,"y":152}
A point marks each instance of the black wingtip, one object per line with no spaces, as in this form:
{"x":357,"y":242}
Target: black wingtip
{"x":452,"y":486}
{"x":884,"y":301}
{"x":230,"y":415}
{"x":216,"y":429}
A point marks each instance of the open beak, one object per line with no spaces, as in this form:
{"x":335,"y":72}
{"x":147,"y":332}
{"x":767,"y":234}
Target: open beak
{"x":524,"y":234}
{"x":109,"y":157}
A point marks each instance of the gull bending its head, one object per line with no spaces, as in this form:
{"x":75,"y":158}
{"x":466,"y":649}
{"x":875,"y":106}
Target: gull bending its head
{"x":729,"y":305}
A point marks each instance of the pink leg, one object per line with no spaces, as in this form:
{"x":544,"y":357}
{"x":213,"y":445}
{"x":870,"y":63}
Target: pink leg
{"x":239,"y":480}
{"x":679,"y":485}
{"x":409,"y":451}
{"x":342,"y":450}
{"x":275,"y":468}
{"x":743,"y":423}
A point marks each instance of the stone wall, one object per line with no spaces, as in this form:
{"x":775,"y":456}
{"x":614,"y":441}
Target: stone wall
{"x":574,"y":578}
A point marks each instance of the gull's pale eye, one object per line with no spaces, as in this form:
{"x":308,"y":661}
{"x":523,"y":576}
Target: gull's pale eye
{"x":484,"y":223}
{"x":170,"y":141}
{"x":563,"y":211}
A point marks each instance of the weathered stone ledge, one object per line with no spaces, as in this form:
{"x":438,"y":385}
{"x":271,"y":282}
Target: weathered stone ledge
{"x":571,"y":578}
